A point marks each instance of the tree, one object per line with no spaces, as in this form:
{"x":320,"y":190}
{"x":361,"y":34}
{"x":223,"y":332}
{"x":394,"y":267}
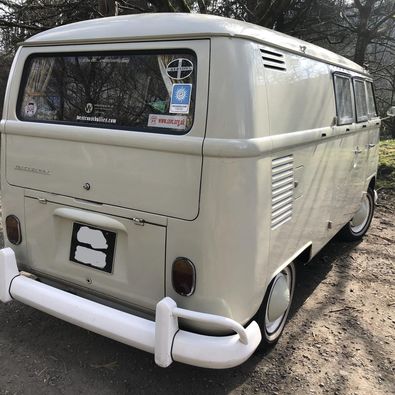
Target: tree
{"x":107,"y":7}
{"x":20,"y":20}
{"x":362,"y":30}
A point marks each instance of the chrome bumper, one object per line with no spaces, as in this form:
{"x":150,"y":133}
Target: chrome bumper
{"x":162,"y":337}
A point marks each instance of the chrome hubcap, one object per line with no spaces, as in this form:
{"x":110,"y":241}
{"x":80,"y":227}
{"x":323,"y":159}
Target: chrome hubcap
{"x":361,"y":217}
{"x":278,"y":301}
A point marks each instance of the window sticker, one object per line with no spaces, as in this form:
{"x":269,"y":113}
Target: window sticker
{"x":89,"y":108}
{"x":105,"y":59}
{"x":178,"y":122}
{"x":97,"y":113}
{"x":179,"y":69}
{"x":159,"y":105}
{"x":180,"y":98}
{"x":99,"y":119}
{"x":31,"y":108}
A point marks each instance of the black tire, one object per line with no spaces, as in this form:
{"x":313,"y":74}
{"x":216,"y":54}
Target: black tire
{"x":354,"y":232}
{"x":272,"y":330}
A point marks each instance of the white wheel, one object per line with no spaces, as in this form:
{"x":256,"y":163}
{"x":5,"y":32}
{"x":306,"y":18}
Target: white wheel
{"x":361,"y":217}
{"x":276,"y":305}
{"x":360,"y":222}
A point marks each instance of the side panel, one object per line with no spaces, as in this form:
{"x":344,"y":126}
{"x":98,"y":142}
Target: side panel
{"x":373,"y":147}
{"x":300,"y":100}
{"x":344,"y":158}
{"x":335,"y":162}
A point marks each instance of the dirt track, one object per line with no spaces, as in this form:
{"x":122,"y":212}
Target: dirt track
{"x":340,"y":338}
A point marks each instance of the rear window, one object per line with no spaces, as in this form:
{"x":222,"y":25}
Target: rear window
{"x":143,"y":91}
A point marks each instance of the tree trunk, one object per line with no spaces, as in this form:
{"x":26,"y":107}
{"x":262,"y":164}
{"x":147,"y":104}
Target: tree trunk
{"x":361,"y":46}
{"x":363,"y":32}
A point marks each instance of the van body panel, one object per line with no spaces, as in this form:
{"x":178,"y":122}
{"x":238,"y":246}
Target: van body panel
{"x":137,"y":275}
{"x":139,"y":176}
{"x":301,"y":84}
{"x":229,"y":269}
{"x":249,"y":119}
{"x":373,"y":147}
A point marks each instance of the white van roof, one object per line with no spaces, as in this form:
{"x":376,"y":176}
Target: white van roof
{"x":168,"y":26}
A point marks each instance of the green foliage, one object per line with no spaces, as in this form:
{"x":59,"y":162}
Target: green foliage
{"x":386,"y":170}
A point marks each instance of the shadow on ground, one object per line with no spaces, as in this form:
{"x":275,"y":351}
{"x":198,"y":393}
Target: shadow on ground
{"x":55,"y":356}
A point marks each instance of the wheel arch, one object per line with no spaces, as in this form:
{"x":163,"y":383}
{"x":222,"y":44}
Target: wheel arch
{"x":301,"y":256}
{"x":372,"y":182}
{"x":272,"y":328}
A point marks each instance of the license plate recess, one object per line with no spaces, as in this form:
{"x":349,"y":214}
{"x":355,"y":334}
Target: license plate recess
{"x":93,"y":247}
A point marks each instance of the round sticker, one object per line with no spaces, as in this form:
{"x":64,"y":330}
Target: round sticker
{"x":179,"y":69}
{"x":30,"y":108}
{"x":88,"y":108}
{"x":181,"y":94}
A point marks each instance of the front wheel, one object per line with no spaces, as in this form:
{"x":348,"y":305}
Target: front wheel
{"x":360,"y":222}
{"x":275,"y":307}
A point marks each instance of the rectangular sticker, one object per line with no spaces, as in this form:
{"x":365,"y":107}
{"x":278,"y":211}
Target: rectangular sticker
{"x":178,"y":122}
{"x":180,"y":98}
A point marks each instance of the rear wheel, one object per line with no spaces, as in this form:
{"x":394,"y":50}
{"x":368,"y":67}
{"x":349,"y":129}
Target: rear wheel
{"x":274,"y":310}
{"x":360,"y":222}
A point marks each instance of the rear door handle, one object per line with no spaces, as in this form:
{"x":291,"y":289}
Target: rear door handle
{"x":370,"y":145}
{"x":357,"y":151}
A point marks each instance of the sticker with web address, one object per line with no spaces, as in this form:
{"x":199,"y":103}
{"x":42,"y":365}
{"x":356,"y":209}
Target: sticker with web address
{"x":180,"y":98}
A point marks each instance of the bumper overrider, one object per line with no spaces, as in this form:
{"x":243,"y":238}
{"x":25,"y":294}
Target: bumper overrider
{"x":163,"y":338}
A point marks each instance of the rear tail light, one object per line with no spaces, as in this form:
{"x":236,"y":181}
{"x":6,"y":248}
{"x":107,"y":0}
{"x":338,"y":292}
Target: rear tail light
{"x":183,"y":276}
{"x":13,"y":229}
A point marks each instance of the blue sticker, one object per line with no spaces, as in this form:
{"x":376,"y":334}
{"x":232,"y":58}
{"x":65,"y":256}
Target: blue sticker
{"x":180,"y":98}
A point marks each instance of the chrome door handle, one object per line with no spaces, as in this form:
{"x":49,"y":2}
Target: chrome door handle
{"x":369,"y":146}
{"x":357,"y":151}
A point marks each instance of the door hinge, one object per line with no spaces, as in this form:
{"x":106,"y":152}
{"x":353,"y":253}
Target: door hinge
{"x":138,"y":221}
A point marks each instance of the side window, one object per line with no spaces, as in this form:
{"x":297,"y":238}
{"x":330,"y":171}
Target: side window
{"x":372,"y":110}
{"x":344,"y":105}
{"x":360,"y":101}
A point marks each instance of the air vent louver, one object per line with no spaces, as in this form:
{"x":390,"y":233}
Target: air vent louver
{"x":282,"y":190}
{"x":273,"y":60}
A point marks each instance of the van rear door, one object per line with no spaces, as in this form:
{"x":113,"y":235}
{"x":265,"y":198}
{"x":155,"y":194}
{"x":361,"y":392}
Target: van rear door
{"x":120,"y":124}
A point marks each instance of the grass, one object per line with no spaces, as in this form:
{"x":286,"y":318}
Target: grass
{"x":386,"y":170}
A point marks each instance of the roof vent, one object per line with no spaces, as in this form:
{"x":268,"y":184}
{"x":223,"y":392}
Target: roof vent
{"x":273,"y":60}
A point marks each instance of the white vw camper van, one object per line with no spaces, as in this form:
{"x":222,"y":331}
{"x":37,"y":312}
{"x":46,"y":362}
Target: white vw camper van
{"x":161,"y":176}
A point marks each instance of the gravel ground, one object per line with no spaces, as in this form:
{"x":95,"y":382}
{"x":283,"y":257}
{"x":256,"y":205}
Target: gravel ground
{"x":339,"y":340}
